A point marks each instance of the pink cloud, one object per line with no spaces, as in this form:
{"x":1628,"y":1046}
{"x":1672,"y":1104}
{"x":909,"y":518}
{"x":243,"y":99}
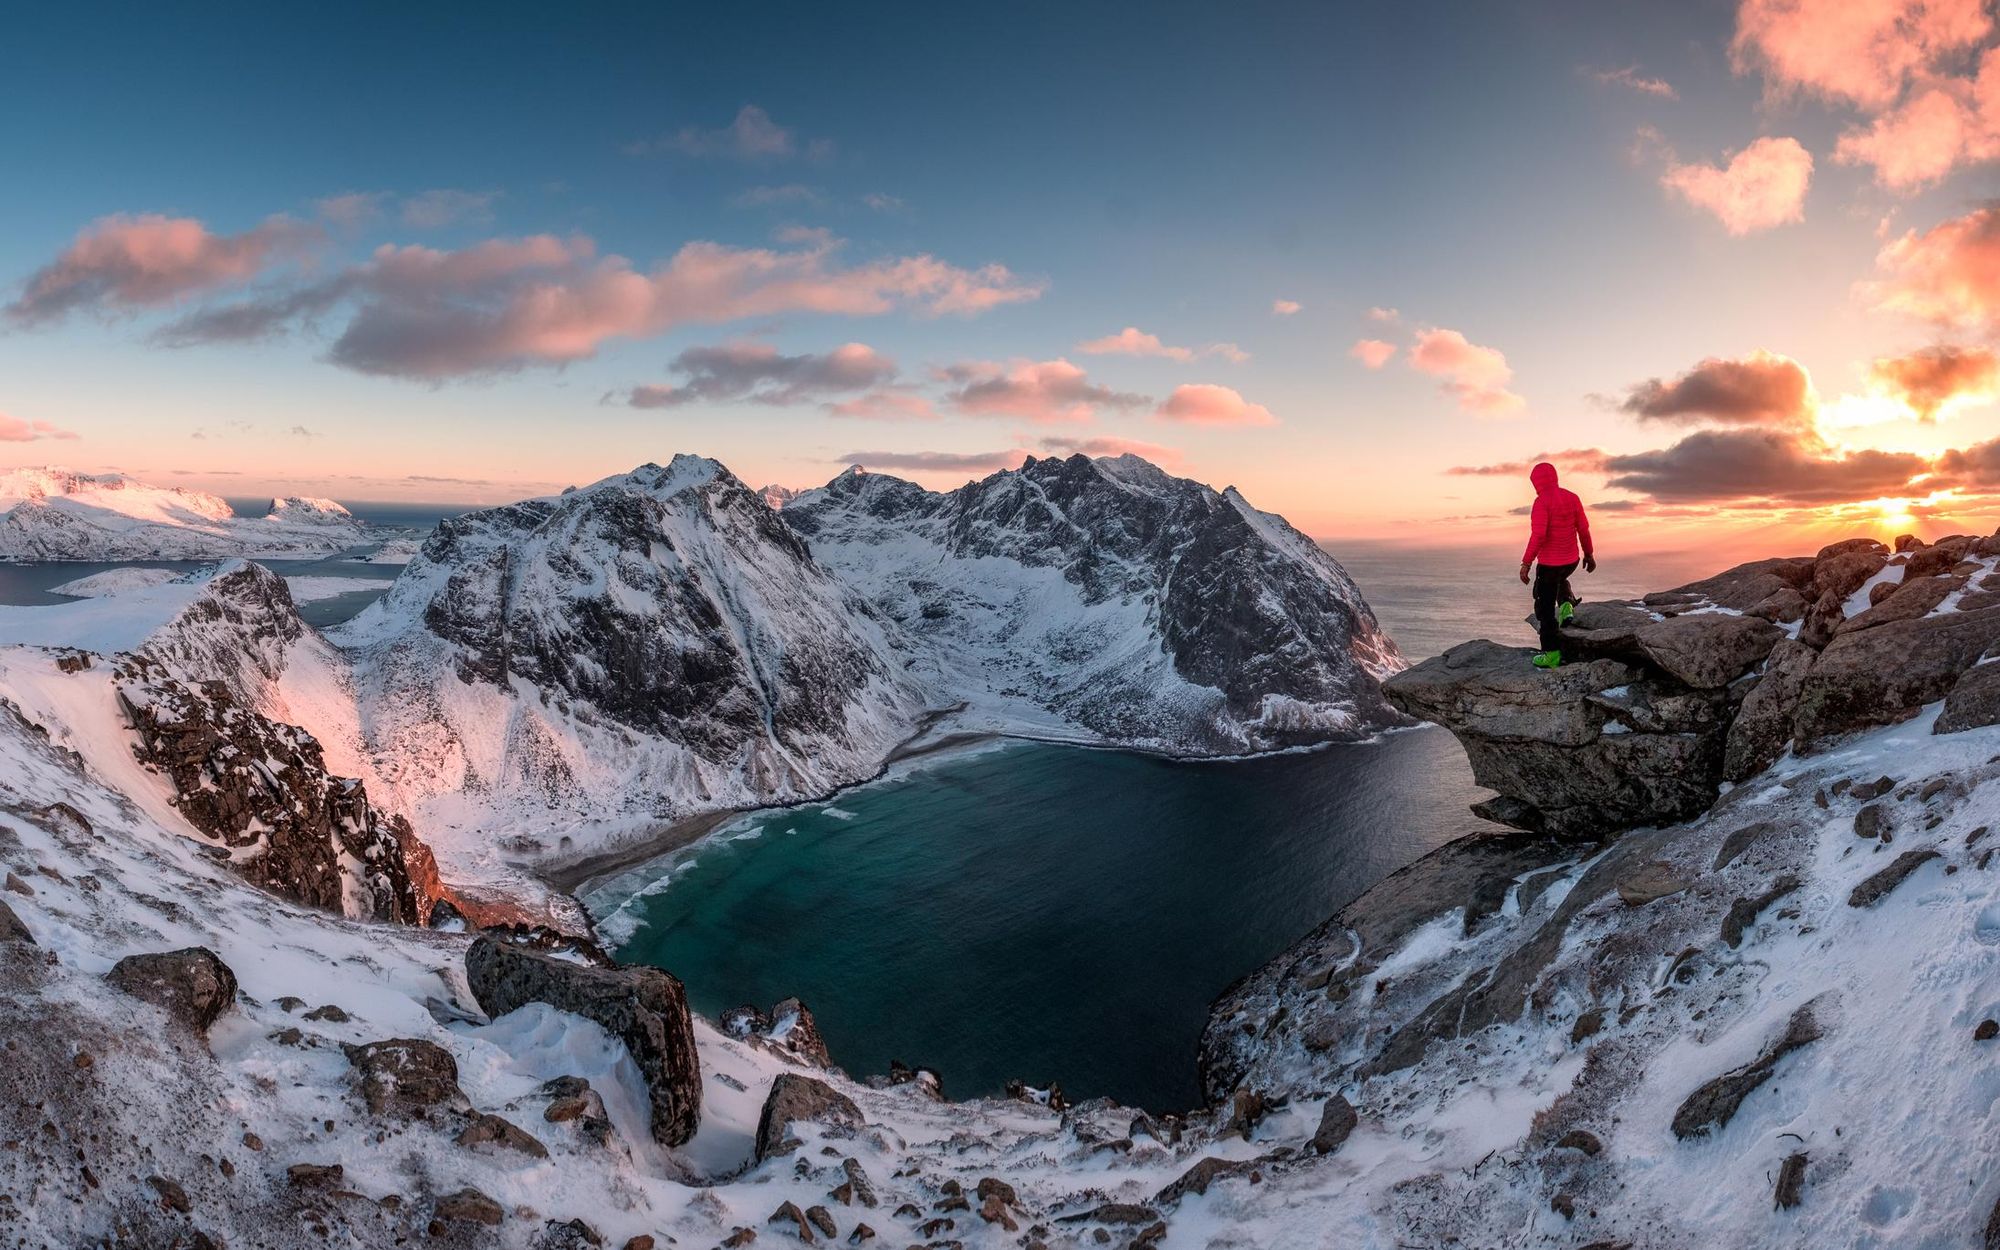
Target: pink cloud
{"x":1386,"y":315}
{"x":16,"y":430}
{"x":975,"y":462}
{"x":1042,"y":391}
{"x":1948,"y":275}
{"x":506,"y":303}
{"x":1285,"y":307}
{"x":885,"y":404}
{"x":1374,"y":353}
{"x":1203,"y":403}
{"x":1132,"y":341}
{"x":123,"y":262}
{"x":1859,"y":52}
{"x":1474,"y":375}
{"x":1949,"y":123}
{"x":1762,"y":186}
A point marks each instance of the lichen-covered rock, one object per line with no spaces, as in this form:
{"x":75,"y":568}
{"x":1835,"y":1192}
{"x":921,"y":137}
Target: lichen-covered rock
{"x":646,"y":1008}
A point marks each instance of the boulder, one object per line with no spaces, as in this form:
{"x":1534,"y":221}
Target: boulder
{"x":1749,"y":588}
{"x":11,"y":928}
{"x":1885,"y":674}
{"x":1763,"y":724}
{"x":795,"y":1098}
{"x":1336,"y":1121}
{"x":1915,"y":597}
{"x":193,"y":985}
{"x":493,"y":1130}
{"x":646,"y":1008}
{"x":1587,"y":749}
{"x":1715,"y":1102}
{"x":1974,"y":701}
{"x":405,"y":1077}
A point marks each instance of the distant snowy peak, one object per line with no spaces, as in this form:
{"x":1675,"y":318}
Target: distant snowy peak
{"x":57,"y":514}
{"x":778,"y":496}
{"x":308,"y":510}
{"x":1143,"y":607}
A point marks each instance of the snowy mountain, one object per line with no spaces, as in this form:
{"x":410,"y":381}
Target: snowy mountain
{"x":56,"y":514}
{"x":647,"y":648}
{"x":1106,"y":599}
{"x":778,"y":496}
{"x":1767,"y":1025}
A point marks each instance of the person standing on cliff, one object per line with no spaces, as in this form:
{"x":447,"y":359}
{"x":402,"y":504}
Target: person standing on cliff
{"x":1557,"y":530}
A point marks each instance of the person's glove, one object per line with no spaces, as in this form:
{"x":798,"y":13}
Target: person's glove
{"x":1590,"y":564}
{"x":1524,"y":575}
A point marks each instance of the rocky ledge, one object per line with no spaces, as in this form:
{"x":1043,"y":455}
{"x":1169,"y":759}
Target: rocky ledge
{"x":1663,"y":700}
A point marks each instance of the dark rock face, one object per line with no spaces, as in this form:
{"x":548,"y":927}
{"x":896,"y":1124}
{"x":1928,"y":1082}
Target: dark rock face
{"x":673,"y":601}
{"x":1237,"y":600}
{"x":1336,"y":1121}
{"x":643,"y":1007}
{"x":405,"y":1077}
{"x":1877,"y":887}
{"x":796,"y":1098}
{"x":262,"y":789}
{"x":11,"y":928}
{"x":193,"y":986}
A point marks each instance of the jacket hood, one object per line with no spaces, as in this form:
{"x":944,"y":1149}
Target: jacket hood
{"x":1543,"y":476}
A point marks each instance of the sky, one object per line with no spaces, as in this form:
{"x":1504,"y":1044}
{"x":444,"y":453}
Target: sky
{"x":1735,"y":267}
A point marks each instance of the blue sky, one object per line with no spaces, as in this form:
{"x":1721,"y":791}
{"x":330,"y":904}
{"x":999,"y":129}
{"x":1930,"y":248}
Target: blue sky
{"x":1173,"y":168}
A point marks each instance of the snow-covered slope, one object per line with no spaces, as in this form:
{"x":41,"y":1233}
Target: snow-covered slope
{"x":1106,"y":599}
{"x":56,"y":514}
{"x":652,"y":646}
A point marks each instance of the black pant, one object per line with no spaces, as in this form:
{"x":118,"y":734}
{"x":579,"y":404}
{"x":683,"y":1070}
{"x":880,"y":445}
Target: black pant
{"x":1551,"y":588}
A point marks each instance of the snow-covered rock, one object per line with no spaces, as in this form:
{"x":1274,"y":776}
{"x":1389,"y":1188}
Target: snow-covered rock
{"x":113,"y":582}
{"x":1106,"y":599}
{"x":653,"y":646}
{"x":56,"y":514}
{"x":778,"y":496}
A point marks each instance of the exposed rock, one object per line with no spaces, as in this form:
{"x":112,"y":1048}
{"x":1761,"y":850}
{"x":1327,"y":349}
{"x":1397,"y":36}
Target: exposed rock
{"x":822,"y":1219}
{"x":1198,"y":1178}
{"x":1871,"y":821}
{"x":1580,"y":1139}
{"x":1763,"y":724}
{"x":793,"y":1031}
{"x":315,"y":1175}
{"x":492,"y":1130}
{"x":1913,"y":598}
{"x":1877,"y":887}
{"x":1714,"y":1103}
{"x":792,"y":1220}
{"x":1791,"y":1182}
{"x":1336,"y":1120}
{"x":795,"y":1097}
{"x":1740,"y":841}
{"x":1974,"y":701}
{"x":643,"y":1007}
{"x":193,"y":985}
{"x":469,"y":1206}
{"x":1540,"y":738}
{"x":262,"y":789}
{"x":1988,"y":1030}
{"x":405,"y":1077}
{"x":11,"y":927}
{"x":1744,"y":911}
{"x":1884,"y":675}
{"x":1650,"y":881}
{"x":569,"y":1235}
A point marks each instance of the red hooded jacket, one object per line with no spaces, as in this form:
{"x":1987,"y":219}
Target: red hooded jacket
{"x":1557,"y":524}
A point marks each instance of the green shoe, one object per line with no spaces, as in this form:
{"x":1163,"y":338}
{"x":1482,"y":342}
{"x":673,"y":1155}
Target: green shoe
{"x":1547,"y":659}
{"x":1564,"y":611}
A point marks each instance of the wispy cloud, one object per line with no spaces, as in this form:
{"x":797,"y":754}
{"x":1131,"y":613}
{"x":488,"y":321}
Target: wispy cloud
{"x":938,"y":461}
{"x":758,"y":373}
{"x":1630,"y":78}
{"x":752,"y":137}
{"x":19,"y":430}
{"x":1132,"y":341}
{"x":1285,"y":307}
{"x":121,"y":263}
{"x":1044,"y":391}
{"x":1760,"y":187}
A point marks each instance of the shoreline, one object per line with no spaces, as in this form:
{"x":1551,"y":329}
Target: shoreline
{"x":574,"y":877}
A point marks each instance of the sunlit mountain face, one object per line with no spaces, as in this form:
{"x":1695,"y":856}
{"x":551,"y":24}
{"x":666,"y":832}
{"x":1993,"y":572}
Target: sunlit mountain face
{"x":1731,"y":268}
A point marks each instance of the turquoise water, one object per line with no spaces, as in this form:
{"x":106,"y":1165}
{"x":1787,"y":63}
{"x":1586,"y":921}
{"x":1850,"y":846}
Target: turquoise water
{"x":1035,"y":911}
